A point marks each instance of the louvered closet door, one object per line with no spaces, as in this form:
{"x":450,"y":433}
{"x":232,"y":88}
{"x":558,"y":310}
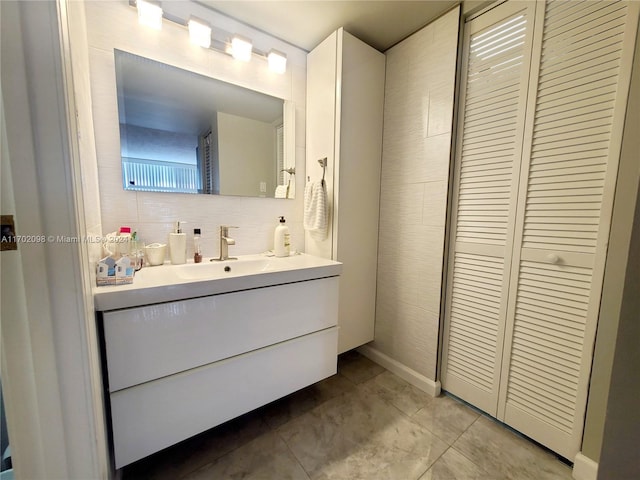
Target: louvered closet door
{"x":490,"y":134}
{"x":570,"y":165}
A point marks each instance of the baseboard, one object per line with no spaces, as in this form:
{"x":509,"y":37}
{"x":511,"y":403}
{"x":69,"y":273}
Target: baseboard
{"x":584,"y":468}
{"x":414,"y":378}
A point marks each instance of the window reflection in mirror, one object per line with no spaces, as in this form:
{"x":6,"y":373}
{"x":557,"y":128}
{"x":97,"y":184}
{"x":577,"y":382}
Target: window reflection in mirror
{"x":185,"y":132}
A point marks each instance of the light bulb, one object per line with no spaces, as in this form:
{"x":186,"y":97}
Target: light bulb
{"x":149,"y":14}
{"x":199,"y":32}
{"x":241,"y":48}
{"x":277,"y":61}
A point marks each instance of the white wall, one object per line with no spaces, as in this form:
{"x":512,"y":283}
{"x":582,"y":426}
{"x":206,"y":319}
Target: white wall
{"x":114,"y":25}
{"x":243,"y":144}
{"x":418,"y":113}
{"x":619,"y":271}
{"x":621,"y":436}
{"x":162,"y":145}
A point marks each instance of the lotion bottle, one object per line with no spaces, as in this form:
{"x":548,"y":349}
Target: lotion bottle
{"x":124,"y":241}
{"x":178,"y":246}
{"x":282,"y":240}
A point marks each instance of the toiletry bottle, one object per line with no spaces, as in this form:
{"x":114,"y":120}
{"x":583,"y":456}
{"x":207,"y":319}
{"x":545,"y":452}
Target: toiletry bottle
{"x":178,"y":246}
{"x":282,"y":240}
{"x":124,"y":241}
{"x":197,"y":253}
{"x":136,"y":249}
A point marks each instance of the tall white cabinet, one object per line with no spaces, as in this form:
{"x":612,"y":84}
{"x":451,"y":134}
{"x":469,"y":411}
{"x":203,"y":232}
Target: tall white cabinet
{"x":345,"y":100}
{"x":543,"y":99}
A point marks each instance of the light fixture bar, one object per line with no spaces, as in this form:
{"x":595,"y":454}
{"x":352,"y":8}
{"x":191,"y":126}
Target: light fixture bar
{"x":149,"y":13}
{"x":199,"y":32}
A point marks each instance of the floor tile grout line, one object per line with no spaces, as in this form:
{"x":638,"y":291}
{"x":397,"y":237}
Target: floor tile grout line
{"x":411,"y":418}
{"x":453,"y":445}
{"x":435,"y":461}
{"x":293,"y":454}
{"x":470,"y":459}
{"x":466,"y":429}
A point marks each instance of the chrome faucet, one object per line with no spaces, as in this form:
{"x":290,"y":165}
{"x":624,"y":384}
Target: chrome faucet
{"x":225,"y":241}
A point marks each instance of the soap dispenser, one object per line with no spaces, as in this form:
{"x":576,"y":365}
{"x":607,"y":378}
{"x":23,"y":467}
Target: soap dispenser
{"x":282,"y":240}
{"x":178,"y":246}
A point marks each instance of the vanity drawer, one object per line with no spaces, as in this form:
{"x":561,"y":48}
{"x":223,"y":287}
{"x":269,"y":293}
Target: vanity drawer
{"x":155,"y":415}
{"x":155,"y":341}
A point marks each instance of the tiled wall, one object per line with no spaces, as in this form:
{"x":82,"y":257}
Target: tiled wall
{"x":415,"y":170}
{"x":114,"y":25}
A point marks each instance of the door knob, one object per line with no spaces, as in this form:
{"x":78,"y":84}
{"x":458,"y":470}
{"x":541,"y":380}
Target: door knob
{"x":553,"y":258}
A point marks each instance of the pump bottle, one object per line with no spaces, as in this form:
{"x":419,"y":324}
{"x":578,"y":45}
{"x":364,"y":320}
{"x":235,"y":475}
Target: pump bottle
{"x":178,"y":246}
{"x":282,"y":240}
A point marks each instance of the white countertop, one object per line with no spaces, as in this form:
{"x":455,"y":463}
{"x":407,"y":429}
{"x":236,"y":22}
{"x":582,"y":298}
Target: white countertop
{"x":166,"y":283}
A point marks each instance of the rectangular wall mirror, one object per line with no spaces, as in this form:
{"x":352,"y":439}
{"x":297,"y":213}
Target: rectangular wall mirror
{"x":188,"y":133}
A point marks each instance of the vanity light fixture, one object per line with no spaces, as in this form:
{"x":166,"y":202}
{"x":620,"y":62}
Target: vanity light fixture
{"x":149,"y":13}
{"x":241,"y":48}
{"x":199,"y":32}
{"x":277,"y":61}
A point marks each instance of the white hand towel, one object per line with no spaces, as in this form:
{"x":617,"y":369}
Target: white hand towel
{"x":316,"y":212}
{"x":292,"y":188}
{"x":281,"y":191}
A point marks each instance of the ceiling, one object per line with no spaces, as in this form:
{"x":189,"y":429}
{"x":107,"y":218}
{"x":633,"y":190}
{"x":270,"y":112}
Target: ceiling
{"x":305,"y":23}
{"x":158,"y":96}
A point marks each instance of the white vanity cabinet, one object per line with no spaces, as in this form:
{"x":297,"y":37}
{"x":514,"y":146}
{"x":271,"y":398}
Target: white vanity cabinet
{"x":345,"y":106}
{"x":176,"y":369}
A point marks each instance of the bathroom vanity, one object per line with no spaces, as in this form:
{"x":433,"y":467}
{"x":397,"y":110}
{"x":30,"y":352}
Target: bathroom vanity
{"x":188,"y":347}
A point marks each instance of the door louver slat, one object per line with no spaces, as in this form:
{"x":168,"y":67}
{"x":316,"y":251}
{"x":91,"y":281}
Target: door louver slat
{"x":474,"y":318}
{"x":492,"y":95}
{"x":565,"y":139}
{"x":549,"y":324}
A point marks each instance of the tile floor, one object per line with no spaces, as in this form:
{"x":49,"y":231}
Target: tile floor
{"x":363,"y":423}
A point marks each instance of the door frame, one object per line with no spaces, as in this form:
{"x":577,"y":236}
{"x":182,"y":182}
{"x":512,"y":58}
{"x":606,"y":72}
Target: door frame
{"x":50,"y":361}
